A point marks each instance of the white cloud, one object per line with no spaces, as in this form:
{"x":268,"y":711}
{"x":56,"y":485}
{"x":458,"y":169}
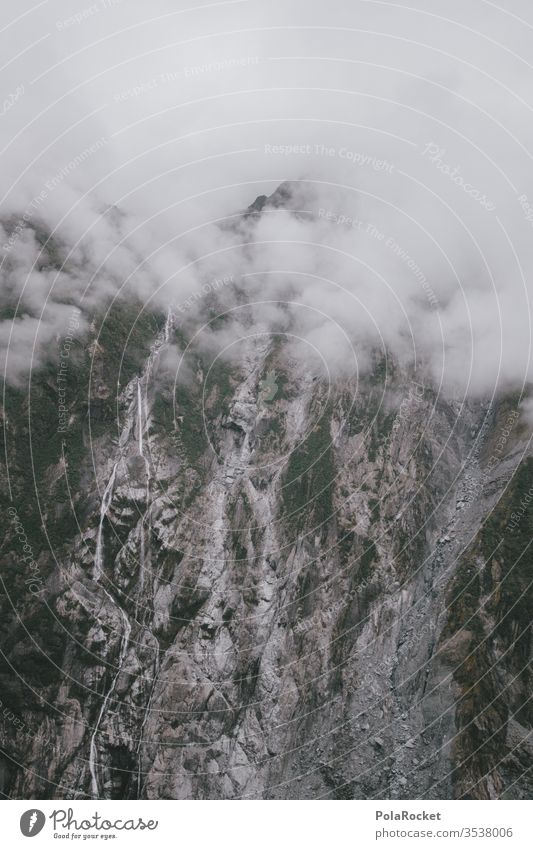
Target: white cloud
{"x":202,"y":109}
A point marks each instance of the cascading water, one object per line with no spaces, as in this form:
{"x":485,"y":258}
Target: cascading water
{"x":104,"y":507}
{"x":169,"y":324}
{"x":137,"y":412}
{"x":93,"y":756}
{"x":98,"y":573}
{"x":142,"y":419}
{"x":157,"y":667}
{"x":142,"y":414}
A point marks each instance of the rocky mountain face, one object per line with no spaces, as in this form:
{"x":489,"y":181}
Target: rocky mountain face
{"x":251,"y":582}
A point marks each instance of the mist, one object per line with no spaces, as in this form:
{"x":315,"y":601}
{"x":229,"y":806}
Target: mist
{"x":134,"y":137}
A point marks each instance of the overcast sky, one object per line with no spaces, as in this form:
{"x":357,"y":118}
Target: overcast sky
{"x":408,"y":127}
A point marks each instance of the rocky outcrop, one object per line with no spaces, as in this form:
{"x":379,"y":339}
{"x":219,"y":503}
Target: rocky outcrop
{"x":280,"y":589}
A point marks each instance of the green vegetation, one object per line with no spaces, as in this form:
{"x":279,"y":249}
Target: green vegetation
{"x":490,"y":602}
{"x":34,"y":448}
{"x":191,"y":428}
{"x":308,"y":489}
{"x":367,"y":559}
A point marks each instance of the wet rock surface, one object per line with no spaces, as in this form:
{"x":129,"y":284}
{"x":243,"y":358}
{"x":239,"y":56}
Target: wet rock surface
{"x":298,"y":601}
{"x":243,"y":580}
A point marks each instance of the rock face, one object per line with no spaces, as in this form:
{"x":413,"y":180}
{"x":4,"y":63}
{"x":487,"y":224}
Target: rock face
{"x":281,"y":588}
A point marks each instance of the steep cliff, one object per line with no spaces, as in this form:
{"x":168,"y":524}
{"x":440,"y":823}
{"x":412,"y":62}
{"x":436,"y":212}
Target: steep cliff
{"x":252,"y":582}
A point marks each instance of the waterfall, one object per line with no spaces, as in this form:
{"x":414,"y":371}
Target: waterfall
{"x":98,"y":572}
{"x":104,"y":507}
{"x":169,"y":324}
{"x":157,"y":667}
{"x":138,"y":413}
{"x":126,"y":631}
{"x":142,"y":412}
{"x":93,"y":751}
{"x":140,"y":418}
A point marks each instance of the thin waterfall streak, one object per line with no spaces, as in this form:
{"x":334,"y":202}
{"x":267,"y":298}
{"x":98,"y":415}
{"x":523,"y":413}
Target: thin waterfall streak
{"x":104,"y":507}
{"x":93,"y":755}
{"x":146,"y":715}
{"x":142,"y":409}
{"x":169,"y":323}
{"x":140,"y":418}
{"x":142,"y":422}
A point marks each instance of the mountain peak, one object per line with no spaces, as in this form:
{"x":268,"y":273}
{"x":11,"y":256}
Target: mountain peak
{"x":284,"y":196}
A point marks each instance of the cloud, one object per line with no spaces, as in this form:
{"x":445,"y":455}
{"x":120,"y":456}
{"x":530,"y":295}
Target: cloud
{"x":132,"y":133}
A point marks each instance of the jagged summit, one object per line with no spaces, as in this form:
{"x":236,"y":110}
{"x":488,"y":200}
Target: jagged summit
{"x":271,"y":587}
{"x":285,"y":196}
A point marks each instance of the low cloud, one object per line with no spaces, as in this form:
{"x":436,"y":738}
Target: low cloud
{"x":404,"y":226}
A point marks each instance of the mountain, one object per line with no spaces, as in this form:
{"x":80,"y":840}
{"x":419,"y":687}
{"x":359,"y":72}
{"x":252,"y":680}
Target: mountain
{"x":244,"y":580}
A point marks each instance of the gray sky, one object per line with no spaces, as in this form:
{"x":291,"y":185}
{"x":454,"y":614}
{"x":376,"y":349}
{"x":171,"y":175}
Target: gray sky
{"x":409,"y":125}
